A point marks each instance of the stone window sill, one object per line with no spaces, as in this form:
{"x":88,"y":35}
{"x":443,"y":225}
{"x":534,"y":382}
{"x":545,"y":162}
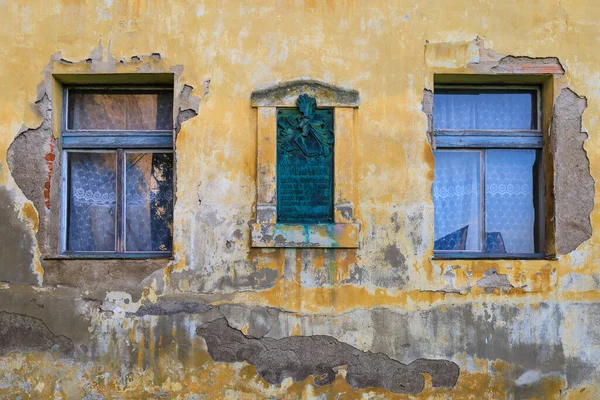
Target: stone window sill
{"x":335,"y":235}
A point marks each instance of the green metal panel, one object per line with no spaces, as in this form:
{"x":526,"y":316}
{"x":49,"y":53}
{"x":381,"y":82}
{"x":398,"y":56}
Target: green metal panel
{"x":305,"y":142}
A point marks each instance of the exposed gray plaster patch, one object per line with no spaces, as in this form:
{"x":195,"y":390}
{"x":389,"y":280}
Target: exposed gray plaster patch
{"x":573,"y":183}
{"x":31,"y":161}
{"x":394,"y":257}
{"x":427,"y":107}
{"x":258,"y":279}
{"x":346,"y":211}
{"x":167,"y":306}
{"x":24,"y":333}
{"x":259,"y":320}
{"x":286,"y":93}
{"x":299,"y":357}
{"x":16,"y":243}
{"x":357,"y":276}
{"x":493,"y":280}
{"x":104,"y":275}
{"x":188,"y":106}
{"x":397,"y":261}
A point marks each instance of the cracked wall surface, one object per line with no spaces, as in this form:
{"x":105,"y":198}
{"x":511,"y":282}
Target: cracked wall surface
{"x":302,"y":356}
{"x":222,"y":319}
{"x":573,"y":183}
{"x":28,"y":334}
{"x":17,"y":241}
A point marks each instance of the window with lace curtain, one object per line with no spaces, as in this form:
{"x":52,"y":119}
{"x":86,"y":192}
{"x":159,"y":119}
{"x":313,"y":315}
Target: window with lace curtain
{"x":117,"y":186}
{"x":488,"y":179}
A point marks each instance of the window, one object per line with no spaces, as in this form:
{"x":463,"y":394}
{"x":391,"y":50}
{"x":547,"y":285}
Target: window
{"x":117,"y":190}
{"x":488,"y":184}
{"x":305,"y":167}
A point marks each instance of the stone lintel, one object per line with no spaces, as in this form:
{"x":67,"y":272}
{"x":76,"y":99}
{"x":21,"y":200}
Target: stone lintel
{"x":285,"y":94}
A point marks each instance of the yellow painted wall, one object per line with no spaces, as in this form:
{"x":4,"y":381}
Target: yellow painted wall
{"x":387,"y":50}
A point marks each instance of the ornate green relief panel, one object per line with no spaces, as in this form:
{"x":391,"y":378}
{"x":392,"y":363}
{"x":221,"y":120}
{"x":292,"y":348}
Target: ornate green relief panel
{"x":305,"y":141}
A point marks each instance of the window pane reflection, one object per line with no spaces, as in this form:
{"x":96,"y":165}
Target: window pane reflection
{"x":113,"y":111}
{"x":509,"y":201}
{"x":149,"y":201}
{"x":92,"y":200}
{"x":457,"y":200}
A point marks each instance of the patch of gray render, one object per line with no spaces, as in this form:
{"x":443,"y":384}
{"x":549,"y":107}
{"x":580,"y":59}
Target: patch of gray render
{"x":16,"y":243}
{"x":399,"y":268}
{"x":265,"y":320}
{"x":321,"y":356}
{"x":427,"y":107}
{"x":31,"y":160}
{"x":166,"y":306}
{"x":188,"y":105}
{"x":573,"y":183}
{"x":493,"y":280}
{"x":328,"y":95}
{"x":26,"y":334}
{"x":245,"y":278}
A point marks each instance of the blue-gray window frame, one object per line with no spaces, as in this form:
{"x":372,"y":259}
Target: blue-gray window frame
{"x":451,"y":139}
{"x":120,"y":142}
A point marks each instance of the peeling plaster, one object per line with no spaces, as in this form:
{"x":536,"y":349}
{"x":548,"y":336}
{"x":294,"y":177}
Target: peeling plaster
{"x":31,"y":161}
{"x":491,"y":62}
{"x":574,"y":186}
{"x":27,"y":334}
{"x":33,"y":157}
{"x":299,"y":357}
{"x":493,"y":280}
{"x":16,"y":243}
{"x":149,"y":348}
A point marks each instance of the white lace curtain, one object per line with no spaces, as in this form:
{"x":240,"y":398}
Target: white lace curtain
{"x":509,"y":200}
{"x":478,"y":111}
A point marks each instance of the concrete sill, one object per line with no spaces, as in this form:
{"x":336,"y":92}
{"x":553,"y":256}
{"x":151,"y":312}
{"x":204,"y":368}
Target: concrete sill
{"x":344,"y":236}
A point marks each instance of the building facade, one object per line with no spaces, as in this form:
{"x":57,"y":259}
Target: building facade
{"x":299,"y":199}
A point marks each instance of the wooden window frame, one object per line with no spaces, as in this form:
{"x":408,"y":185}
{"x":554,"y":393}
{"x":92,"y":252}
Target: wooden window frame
{"x":482,"y":140}
{"x":104,"y":141}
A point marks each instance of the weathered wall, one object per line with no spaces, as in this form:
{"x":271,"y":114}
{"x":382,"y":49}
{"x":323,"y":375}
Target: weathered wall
{"x":224,"y":319}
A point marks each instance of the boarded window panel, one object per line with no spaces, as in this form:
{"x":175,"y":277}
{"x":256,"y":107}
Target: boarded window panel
{"x":92,"y":201}
{"x":149,"y":201}
{"x":146,"y":111}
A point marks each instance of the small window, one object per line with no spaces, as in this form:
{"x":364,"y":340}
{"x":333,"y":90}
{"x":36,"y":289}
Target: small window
{"x":118,"y":174}
{"x":488,"y":183}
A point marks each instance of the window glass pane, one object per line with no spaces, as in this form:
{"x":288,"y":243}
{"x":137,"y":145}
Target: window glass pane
{"x":89,"y":110}
{"x":149,"y":201}
{"x":509,"y":201}
{"x":92,"y":200}
{"x":485,"y":110}
{"x":457,"y":200}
